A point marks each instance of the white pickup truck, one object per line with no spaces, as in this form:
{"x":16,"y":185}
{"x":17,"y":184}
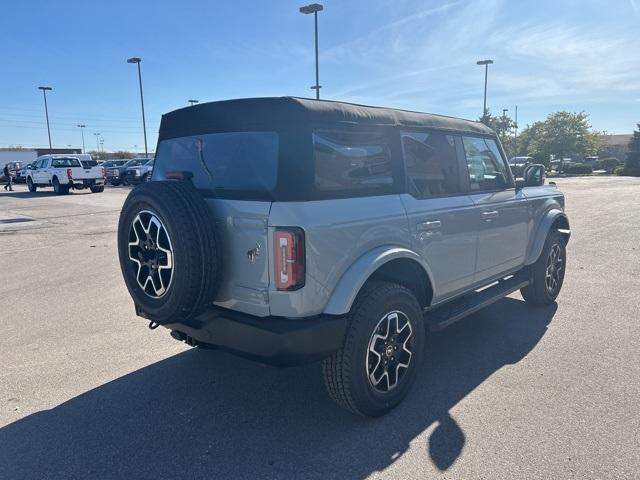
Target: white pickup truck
{"x":63,"y":172}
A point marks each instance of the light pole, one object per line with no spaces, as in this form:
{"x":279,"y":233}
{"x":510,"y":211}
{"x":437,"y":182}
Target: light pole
{"x":137,"y":61}
{"x":307,"y":9}
{"x":97,"y":141}
{"x":504,"y":112}
{"x":81,"y":127}
{"x":192,"y":102}
{"x":102,"y":145}
{"x":46,"y":110}
{"x":486,"y":64}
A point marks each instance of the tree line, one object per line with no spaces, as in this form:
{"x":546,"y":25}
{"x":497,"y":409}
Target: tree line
{"x":561,"y":135}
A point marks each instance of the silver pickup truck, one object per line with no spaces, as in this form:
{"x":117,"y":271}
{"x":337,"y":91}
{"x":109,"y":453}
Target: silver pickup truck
{"x":292,"y":230}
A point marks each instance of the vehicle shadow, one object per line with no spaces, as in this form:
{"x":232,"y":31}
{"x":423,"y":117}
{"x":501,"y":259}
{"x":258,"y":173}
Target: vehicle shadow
{"x":207,"y":414}
{"x":28,"y":194}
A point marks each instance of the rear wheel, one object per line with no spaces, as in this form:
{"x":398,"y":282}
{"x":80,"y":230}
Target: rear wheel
{"x":30,"y":185}
{"x":382,"y":351}
{"x":115,"y":183}
{"x":548,"y":272}
{"x":58,"y":188}
{"x":97,"y":189}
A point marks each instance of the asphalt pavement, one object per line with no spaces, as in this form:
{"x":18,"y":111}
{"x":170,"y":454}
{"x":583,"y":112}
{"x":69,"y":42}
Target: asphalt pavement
{"x":88,"y":391}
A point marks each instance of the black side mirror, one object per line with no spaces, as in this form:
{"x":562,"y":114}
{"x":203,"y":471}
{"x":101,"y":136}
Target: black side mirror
{"x":534,"y":175}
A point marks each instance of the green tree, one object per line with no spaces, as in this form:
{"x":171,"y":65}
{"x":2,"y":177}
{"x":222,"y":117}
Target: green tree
{"x":504,"y":126}
{"x":561,"y":134}
{"x":632,"y":162}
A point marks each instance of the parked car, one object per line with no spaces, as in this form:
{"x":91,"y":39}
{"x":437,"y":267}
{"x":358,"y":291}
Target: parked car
{"x":293,"y":230}
{"x":115,"y":173}
{"x":518,"y":165}
{"x":138,"y":174}
{"x":64,"y":172}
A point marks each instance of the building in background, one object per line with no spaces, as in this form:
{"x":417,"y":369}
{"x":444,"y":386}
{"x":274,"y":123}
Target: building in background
{"x":28,"y":155}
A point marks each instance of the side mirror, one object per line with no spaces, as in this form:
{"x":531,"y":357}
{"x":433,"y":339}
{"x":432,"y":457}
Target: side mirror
{"x":534,"y":175}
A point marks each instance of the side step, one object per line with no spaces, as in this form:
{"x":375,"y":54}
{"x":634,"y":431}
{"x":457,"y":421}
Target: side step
{"x":444,"y":315}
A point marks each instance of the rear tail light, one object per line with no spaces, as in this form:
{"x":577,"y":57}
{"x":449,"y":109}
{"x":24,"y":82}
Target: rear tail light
{"x":104,"y":172}
{"x":69,"y":173}
{"x":289,"y":258}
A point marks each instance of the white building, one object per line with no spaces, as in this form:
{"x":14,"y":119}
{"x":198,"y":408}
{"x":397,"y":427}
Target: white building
{"x":28,"y":155}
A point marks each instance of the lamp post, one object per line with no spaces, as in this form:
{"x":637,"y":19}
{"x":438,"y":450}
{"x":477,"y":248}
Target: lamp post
{"x":81,"y":127}
{"x":192,"y":102}
{"x":137,"y":61}
{"x":307,"y":9}
{"x":97,"y":141}
{"x":46,"y":110}
{"x":504,"y":112}
{"x":486,"y":64}
{"x":102,"y":145}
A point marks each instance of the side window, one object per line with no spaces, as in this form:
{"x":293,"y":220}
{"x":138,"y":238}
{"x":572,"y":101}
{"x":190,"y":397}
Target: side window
{"x":431,"y":163}
{"x":351,"y":162}
{"x":487,"y":170}
{"x":43,"y":163}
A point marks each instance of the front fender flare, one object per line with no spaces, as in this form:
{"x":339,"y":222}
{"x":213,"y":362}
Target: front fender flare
{"x":544,"y":227}
{"x":353,"y":279}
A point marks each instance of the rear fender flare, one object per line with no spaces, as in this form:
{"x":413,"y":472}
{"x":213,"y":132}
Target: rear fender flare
{"x":358,"y":273}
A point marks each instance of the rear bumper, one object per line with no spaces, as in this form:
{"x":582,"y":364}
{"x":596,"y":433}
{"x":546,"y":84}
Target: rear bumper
{"x":86,"y":182}
{"x":272,"y":340}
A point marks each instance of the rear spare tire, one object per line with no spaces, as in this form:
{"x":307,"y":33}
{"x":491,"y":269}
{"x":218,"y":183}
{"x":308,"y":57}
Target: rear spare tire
{"x":168,"y":249}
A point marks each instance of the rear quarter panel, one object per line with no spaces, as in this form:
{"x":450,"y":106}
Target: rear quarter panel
{"x":337,"y":233}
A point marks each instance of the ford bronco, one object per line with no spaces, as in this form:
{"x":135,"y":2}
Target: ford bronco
{"x":292,"y":230}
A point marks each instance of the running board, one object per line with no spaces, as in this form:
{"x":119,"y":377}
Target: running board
{"x":444,"y":315}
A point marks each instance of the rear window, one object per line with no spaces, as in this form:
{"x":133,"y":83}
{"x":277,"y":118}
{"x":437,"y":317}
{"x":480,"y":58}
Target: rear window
{"x":352,"y":162}
{"x":89,"y":163}
{"x":240,"y":161}
{"x":65,"y":162}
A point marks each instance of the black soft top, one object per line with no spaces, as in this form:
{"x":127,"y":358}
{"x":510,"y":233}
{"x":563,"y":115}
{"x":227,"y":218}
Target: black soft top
{"x":289,"y":113}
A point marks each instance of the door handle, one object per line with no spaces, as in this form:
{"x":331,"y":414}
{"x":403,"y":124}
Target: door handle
{"x":489,"y":215}
{"x":431,"y":225}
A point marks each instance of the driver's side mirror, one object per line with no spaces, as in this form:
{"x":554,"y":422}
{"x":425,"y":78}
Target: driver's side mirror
{"x":534,"y":176}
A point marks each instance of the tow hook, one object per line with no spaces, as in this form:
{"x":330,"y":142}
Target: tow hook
{"x":153,"y":325}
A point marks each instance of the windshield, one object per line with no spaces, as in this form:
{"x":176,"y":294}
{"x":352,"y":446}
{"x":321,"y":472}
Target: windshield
{"x":65,"y":162}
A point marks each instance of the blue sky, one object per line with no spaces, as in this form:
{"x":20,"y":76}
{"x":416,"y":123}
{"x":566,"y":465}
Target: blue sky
{"x":420,"y":55}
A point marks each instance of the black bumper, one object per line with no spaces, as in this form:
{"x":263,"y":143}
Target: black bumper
{"x":273,"y":340}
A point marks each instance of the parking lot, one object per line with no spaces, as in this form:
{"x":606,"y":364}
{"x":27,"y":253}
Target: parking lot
{"x":88,"y":391}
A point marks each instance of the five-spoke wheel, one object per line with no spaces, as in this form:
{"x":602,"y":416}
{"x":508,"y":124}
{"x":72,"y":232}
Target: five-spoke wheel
{"x":151,"y":253}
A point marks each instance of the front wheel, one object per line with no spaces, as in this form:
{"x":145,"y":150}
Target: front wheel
{"x":30,"y":185}
{"x":547,"y":273}
{"x":382,"y":351}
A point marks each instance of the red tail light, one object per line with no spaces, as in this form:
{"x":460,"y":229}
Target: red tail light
{"x":104,"y":172}
{"x":69,"y":173}
{"x":289,"y":258}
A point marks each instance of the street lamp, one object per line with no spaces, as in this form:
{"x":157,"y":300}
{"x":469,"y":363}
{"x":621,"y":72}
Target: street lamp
{"x":504,"y":112}
{"x":137,"y":61}
{"x":102,"y":144}
{"x":97,"y":141}
{"x":486,"y":64}
{"x":81,"y":127}
{"x":307,"y":9}
{"x":192,"y":102}
{"x":46,"y":110}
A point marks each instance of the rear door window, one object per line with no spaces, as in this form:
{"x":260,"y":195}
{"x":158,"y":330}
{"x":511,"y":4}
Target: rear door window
{"x":431,"y":163}
{"x":487,"y":170}
{"x":352,"y":163}
{"x":236,"y":161}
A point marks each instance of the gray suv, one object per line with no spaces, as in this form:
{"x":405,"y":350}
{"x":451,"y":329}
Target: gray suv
{"x":291,"y":230}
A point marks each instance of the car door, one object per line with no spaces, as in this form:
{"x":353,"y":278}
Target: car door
{"x":502,"y":216}
{"x":441,"y":214}
{"x":40,"y":173}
